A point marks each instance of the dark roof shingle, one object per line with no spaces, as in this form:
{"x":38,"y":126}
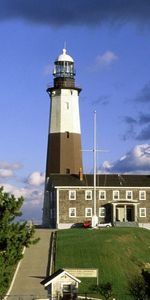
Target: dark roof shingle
{"x":102,"y":180}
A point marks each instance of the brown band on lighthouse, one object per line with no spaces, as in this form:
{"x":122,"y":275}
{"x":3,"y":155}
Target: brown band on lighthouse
{"x":64,"y":153}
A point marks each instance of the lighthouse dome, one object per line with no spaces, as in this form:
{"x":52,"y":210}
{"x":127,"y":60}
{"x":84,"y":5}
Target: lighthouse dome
{"x":64,"y":57}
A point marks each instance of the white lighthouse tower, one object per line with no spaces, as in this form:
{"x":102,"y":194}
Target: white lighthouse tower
{"x":64,"y":154}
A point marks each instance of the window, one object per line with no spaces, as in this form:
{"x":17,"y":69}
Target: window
{"x":142,"y":212}
{"x":129,"y":195}
{"x":67,"y":105}
{"x":72,"y":195}
{"x":102,"y":212}
{"x":67,"y":133}
{"x":102,"y":195}
{"x":72,"y":212}
{"x":142,"y":195}
{"x":88,"y":212}
{"x":115,"y":195}
{"x":88,"y":195}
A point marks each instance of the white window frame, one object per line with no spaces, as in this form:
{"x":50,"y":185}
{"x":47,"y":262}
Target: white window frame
{"x":118,"y":195}
{"x":131,"y":192}
{"x":140,"y":195}
{"x":70,"y":210}
{"x":100,"y":193}
{"x":70,"y":195}
{"x":86,"y":212}
{"x":142,"y":212}
{"x":86,"y":195}
{"x":102,"y":212}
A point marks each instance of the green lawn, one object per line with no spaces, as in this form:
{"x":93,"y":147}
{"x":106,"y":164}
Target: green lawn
{"x":118,"y":253}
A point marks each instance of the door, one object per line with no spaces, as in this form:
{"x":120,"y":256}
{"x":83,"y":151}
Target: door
{"x":130,"y":214}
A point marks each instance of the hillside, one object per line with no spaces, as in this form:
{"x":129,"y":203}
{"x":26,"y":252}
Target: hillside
{"x":118,"y":253}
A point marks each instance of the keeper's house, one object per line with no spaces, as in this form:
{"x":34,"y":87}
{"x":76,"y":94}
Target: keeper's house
{"x":120,"y":199}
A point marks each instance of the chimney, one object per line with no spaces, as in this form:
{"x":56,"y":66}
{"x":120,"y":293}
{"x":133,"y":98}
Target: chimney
{"x":80,"y":174}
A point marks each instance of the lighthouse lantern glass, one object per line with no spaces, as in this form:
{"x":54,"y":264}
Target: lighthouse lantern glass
{"x":64,"y":69}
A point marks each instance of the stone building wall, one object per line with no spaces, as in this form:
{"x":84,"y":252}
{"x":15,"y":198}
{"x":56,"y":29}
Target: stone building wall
{"x":81,"y":204}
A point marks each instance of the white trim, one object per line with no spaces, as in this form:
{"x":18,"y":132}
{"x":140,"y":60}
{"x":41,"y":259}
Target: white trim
{"x":57,"y":214}
{"x":60,"y":275}
{"x":101,"y":187}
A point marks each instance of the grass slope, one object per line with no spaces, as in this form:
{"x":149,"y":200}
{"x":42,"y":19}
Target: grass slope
{"x":118,"y":253}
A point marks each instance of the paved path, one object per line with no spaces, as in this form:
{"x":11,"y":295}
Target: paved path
{"x":32,"y":270}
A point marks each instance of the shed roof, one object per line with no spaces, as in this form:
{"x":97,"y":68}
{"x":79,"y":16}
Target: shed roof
{"x":48,"y":280}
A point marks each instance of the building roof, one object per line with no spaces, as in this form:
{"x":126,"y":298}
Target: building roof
{"x":102,"y":180}
{"x":48,"y":280}
{"x":64,"y":56}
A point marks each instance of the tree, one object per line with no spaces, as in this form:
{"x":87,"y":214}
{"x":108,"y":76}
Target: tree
{"x":104,"y":289}
{"x":13,"y":237}
{"x":146,"y":277}
{"x":137,"y":288}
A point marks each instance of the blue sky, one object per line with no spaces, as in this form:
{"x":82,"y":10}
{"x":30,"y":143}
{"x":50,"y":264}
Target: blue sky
{"x":110,"y":44}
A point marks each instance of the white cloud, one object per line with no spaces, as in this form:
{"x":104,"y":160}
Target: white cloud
{"x":7,"y":169}
{"x":106,"y":58}
{"x":11,"y":166}
{"x":16,"y":191}
{"x":137,"y":160}
{"x":36,"y":178}
{"x":6,"y":173}
{"x":33,"y":201}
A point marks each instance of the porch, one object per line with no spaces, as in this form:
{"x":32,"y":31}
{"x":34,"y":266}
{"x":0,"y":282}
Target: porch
{"x":124,"y":213}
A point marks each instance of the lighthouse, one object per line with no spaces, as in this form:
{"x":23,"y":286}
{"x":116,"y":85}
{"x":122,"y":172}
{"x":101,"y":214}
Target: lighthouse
{"x":64,"y":154}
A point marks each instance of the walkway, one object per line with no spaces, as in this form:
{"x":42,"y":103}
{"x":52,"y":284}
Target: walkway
{"x":32,"y":270}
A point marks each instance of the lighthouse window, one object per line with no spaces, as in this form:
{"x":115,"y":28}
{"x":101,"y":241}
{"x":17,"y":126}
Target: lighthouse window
{"x":67,"y":105}
{"x":67,"y":171}
{"x":67,"y":132}
{"x":72,"y":195}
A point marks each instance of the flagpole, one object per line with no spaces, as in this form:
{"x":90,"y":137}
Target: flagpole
{"x":94,"y":152}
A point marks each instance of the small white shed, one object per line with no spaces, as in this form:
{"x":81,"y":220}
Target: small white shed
{"x":61,"y":285}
